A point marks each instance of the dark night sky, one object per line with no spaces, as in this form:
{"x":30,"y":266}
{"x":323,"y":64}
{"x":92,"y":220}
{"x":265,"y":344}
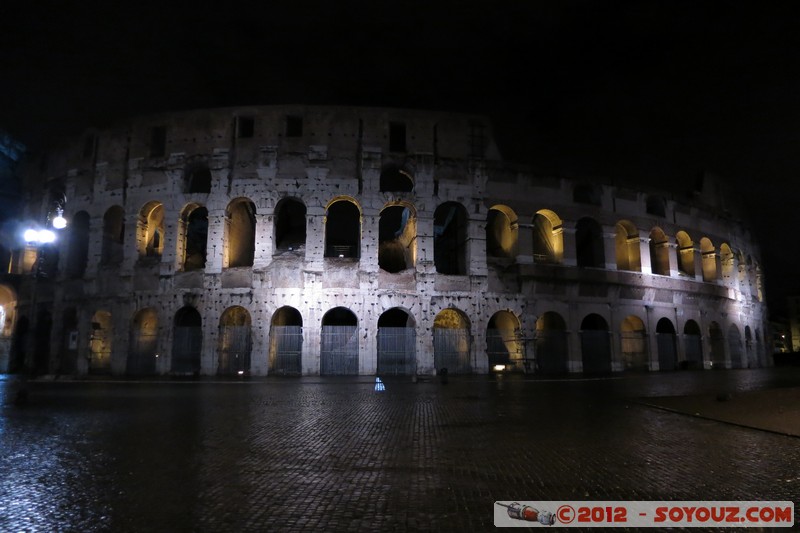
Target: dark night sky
{"x":652,"y":91}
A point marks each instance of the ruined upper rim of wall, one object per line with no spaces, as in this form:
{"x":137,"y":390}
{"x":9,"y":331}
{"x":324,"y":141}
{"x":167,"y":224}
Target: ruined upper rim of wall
{"x":326,"y":134}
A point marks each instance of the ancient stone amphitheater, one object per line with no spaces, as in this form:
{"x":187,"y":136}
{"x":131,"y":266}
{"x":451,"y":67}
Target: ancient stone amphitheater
{"x":305,"y":240}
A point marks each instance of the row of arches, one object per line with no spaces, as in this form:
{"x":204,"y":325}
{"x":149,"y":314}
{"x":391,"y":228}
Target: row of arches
{"x":452,"y":344}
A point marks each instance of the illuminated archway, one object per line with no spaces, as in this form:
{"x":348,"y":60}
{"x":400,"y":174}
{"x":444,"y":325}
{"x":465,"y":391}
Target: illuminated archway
{"x":451,"y":342}
{"x":633,"y":341}
{"x":235,"y":342}
{"x":100,"y":343}
{"x":197,"y":178}
{"x":150,"y":230}
{"x":708,"y":253}
{"x":726,"y":262}
{"x":143,"y":349}
{"x":548,"y":237}
{"x":240,"y":234}
{"x":8,"y":307}
{"x":397,"y":238}
{"x":193,"y":237}
{"x":685,"y":251}
{"x":659,"y":252}
{"x":503,"y":342}
{"x":397,"y":343}
{"x":286,"y":342}
{"x":627,"y":247}
{"x":502,"y":228}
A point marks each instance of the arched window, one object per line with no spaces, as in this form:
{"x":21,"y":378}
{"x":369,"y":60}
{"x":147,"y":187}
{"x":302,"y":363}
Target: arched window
{"x":290,"y":225}
{"x":595,"y":344}
{"x":627,"y":246}
{"x":78,"y":253}
{"x":343,"y":229}
{"x":450,"y":239}
{"x":692,"y":340}
{"x":667,"y":345}
{"x":659,"y":252}
{"x":503,"y":342}
{"x":685,"y":253}
{"x":113,"y":236}
{"x":240,"y":240}
{"x":194,"y":235}
{"x":551,"y":351}
{"x":197,"y":178}
{"x":150,"y":231}
{"x":502,"y":228}
{"x":397,"y":238}
{"x":548,"y":237}
{"x":589,"y":244}
{"x":709,"y":259}
{"x":633,"y":340}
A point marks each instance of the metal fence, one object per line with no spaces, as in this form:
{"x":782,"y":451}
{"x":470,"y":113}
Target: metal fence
{"x":142,"y":355}
{"x":285,"y":350}
{"x":503,"y":347}
{"x":596,"y":351}
{"x":451,"y":350}
{"x":339,"y":351}
{"x":187,"y":343}
{"x":635,"y":350}
{"x":397,"y":351}
{"x":234,"y":353}
{"x":551,"y":352}
{"x":667,"y":351}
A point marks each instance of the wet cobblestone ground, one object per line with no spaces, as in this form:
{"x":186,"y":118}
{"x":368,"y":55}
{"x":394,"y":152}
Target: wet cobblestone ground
{"x":332,"y":454}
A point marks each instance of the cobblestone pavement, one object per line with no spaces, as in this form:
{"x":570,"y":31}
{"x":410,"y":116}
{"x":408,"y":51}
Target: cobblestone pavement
{"x":333,"y":454}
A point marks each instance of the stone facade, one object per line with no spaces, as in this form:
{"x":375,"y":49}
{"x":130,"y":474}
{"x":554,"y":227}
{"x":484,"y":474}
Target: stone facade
{"x":307,"y":240}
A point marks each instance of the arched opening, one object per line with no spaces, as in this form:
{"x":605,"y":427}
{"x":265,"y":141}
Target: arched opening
{"x":738,"y":356}
{"x":503,"y":342}
{"x":194,"y":237}
{"x":633,"y":341}
{"x":8,"y":307}
{"x":667,"y":345}
{"x":397,"y":341}
{"x":548,"y":238}
{"x":502,"y":228}
{"x":627,"y":247}
{"x":595,"y":345}
{"x":759,"y":283}
{"x":240,"y":241}
{"x":748,"y":348}
{"x":586,"y":193}
{"x":685,"y":251}
{"x":187,"y":341}
{"x":234,"y":342}
{"x":708,"y":253}
{"x":290,"y":225}
{"x":78,"y":254}
{"x":100,"y":342}
{"x":41,"y":345}
{"x":395,"y":179}
{"x":589,"y":249}
{"x":551,"y":344}
{"x":286,"y":342}
{"x":339,"y":343}
{"x":726,"y":262}
{"x":659,"y":252}
{"x":450,"y":239}
{"x":197,"y":178}
{"x":343,"y":229}
{"x":397,"y":238}
{"x":150,"y":230}
{"x":144,"y":343}
{"x":113,"y":236}
{"x":717,"y":340}
{"x":452,"y":342}
{"x":692,"y":341}
{"x":656,"y":205}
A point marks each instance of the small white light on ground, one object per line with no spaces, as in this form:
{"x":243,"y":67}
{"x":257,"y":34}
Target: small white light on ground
{"x":379,"y":386}
{"x":341,"y":256}
{"x":499,"y":368}
{"x":241,"y":372}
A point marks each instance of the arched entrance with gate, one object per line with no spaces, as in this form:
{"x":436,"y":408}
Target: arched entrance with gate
{"x":187,"y":341}
{"x":717,"y":345}
{"x":397,"y":341}
{"x":452,"y":342}
{"x":667,"y":347}
{"x":338,"y":354}
{"x":144,"y":343}
{"x":100,"y":343}
{"x":503,"y":344}
{"x":738,"y":358}
{"x":234,"y":342}
{"x":693,"y":344}
{"x":633,"y":342}
{"x":551,"y":344}
{"x":286,"y":342}
{"x":595,"y":345}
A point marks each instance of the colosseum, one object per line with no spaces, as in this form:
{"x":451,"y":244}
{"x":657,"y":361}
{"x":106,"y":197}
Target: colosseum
{"x":310,"y":240}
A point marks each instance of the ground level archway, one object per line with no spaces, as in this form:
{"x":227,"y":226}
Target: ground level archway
{"x":397,"y":341}
{"x":452,"y":342}
{"x":286,"y":342}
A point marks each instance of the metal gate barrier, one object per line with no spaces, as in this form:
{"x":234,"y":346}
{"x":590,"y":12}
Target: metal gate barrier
{"x":187,"y":342}
{"x":285,"y":350}
{"x":503,"y":347}
{"x":142,"y":355}
{"x":551,"y":352}
{"x":451,"y":350}
{"x":339,"y":351}
{"x":397,"y":355}
{"x":234,"y":354}
{"x":595,"y":351}
{"x":667,"y":351}
{"x":635,"y":353}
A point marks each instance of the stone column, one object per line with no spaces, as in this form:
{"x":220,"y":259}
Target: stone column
{"x":610,"y":247}
{"x":570,"y":248}
{"x":215,"y":243}
{"x":264,"y":243}
{"x":644,"y":252}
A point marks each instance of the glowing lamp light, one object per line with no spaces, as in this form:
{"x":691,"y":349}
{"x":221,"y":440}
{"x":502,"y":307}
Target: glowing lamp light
{"x":59,"y":222}
{"x":499,"y":368}
{"x":31,"y":235}
{"x":46,"y":236}
{"x":241,"y":372}
{"x":379,"y":386}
